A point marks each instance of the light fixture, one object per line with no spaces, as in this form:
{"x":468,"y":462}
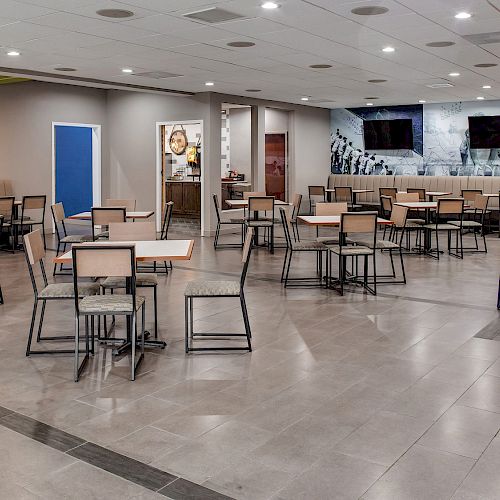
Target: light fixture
{"x":127,"y":70}
{"x":305,"y":98}
{"x":209,"y":84}
{"x":65,"y":69}
{"x":377,"y":80}
{"x":253,"y":90}
{"x":421,"y":101}
{"x":463,"y":15}
{"x":241,"y":44}
{"x":369,"y":103}
{"x":13,"y":53}
{"x":454,"y":74}
{"x":388,"y":49}
{"x":486,"y":86}
{"x":480,"y":98}
{"x":320,"y":66}
{"x":270,"y":5}
{"x":115,"y":13}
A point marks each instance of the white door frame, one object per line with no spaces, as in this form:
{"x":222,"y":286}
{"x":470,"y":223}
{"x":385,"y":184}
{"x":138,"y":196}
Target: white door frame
{"x":96,"y":159}
{"x":159,"y":166}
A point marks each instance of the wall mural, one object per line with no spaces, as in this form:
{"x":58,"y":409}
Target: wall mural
{"x":440,"y":141}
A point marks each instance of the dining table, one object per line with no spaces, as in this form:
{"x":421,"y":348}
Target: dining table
{"x":333,"y":220}
{"x":355,"y":193}
{"x":130,"y":215}
{"x":145,"y":251}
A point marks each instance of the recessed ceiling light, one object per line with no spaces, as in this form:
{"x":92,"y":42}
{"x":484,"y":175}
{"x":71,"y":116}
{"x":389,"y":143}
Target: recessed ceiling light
{"x":371,"y":98}
{"x":253,"y":90}
{"x":377,"y":80}
{"x":370,"y":11}
{"x":270,"y":5}
{"x":440,"y":44}
{"x":485,"y":65}
{"x":115,"y":13}
{"x":369,"y":103}
{"x":486,"y":86}
{"x":241,"y":44}
{"x":127,"y":70}
{"x":480,"y":98}
{"x":13,"y":53}
{"x":421,"y":101}
{"x":209,"y":84}
{"x":454,"y":74}
{"x":463,"y":15}
{"x":304,"y":98}
{"x":65,"y":68}
{"x":320,"y":66}
{"x":388,"y":49}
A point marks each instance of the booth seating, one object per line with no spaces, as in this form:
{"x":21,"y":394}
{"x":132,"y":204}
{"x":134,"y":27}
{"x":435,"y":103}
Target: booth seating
{"x":6,"y":188}
{"x":455,"y":185}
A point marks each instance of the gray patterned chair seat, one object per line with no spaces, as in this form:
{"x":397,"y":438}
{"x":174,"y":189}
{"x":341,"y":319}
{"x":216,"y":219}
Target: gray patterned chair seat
{"x":414,"y":222}
{"x":351,"y":251}
{"x":76,"y":238}
{"x":259,"y":223}
{"x":465,"y":223}
{"x":380,"y":244}
{"x":307,"y":245}
{"x":141,"y":279}
{"x":442,"y":227}
{"x":473,"y":211}
{"x":203,"y":288}
{"x":331,"y":240}
{"x":110,"y":304}
{"x":66,"y":290}
{"x":234,"y":221}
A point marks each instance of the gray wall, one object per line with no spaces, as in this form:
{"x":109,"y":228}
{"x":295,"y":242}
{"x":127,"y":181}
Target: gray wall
{"x":240,"y":133}
{"x":27,"y":112}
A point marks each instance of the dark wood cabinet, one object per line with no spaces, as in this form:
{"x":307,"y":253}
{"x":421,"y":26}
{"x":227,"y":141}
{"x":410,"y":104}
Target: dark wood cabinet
{"x":186,"y":196}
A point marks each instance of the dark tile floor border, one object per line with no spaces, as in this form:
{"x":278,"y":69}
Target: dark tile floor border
{"x":115,"y":463}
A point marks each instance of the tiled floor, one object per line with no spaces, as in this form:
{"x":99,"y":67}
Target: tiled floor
{"x":387,"y":397}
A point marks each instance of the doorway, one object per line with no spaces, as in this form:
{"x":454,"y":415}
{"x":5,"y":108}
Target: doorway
{"x":76,"y":166}
{"x":276,"y":166}
{"x":180,"y":174}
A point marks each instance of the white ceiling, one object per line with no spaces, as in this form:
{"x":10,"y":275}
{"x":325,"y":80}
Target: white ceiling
{"x":52,"y":33}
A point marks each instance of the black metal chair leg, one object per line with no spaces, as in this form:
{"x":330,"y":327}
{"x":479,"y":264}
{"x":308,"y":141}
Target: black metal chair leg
{"x":32,"y":326}
{"x":42,"y":313}
{"x":155,"y":300}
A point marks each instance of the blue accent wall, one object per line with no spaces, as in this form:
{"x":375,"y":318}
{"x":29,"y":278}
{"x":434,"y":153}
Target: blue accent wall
{"x":73,"y":148}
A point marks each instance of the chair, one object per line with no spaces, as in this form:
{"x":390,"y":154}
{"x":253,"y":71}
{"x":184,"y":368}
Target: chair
{"x":35,"y":254}
{"x":419,"y":191}
{"x":134,"y":231}
{"x":128,"y":204}
{"x":213,"y":289}
{"x":300,"y":246}
{"x":470,"y":196}
{"x":480,"y":210}
{"x":447,"y":207}
{"x":255,"y":206}
{"x":253,"y":194}
{"x":344,"y":193}
{"x":117,"y":261}
{"x":329,"y":209}
{"x":353,"y":223}
{"x":388,"y":191}
{"x":394,"y":242}
{"x":229,"y":222}
{"x":411,"y":198}
{"x":32,"y":214}
{"x":103,"y":216}
{"x":316,"y":191}
{"x":7,"y":210}
{"x":167,"y":220}
{"x":63,"y":238}
{"x":297,"y":202}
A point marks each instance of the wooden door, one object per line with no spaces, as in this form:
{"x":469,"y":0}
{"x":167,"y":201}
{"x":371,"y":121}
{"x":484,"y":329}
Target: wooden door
{"x":276,"y":164}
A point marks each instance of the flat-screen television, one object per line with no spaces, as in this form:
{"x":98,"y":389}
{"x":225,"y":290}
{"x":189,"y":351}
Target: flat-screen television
{"x":388,"y":134}
{"x":484,"y":132}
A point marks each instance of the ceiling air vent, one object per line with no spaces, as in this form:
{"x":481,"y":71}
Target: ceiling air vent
{"x":483,"y":38}
{"x":157,"y":75}
{"x":439,"y":85}
{"x":213,"y":15}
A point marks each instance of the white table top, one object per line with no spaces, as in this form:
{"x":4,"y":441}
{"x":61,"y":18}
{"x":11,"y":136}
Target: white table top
{"x":330,"y":220}
{"x":433,"y":193}
{"x":357,"y":191}
{"x":146,"y":251}
{"x":130,"y":215}
{"x":417,"y":204}
{"x":244,"y":203}
{"x":491,"y":195}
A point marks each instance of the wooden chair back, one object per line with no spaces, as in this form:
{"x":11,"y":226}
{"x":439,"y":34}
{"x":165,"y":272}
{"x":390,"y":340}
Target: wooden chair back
{"x":450,"y":206}
{"x":252,"y":194}
{"x":34,"y":202}
{"x":469,"y":195}
{"x":261,"y":204}
{"x":103,"y":216}
{"x":58,"y":212}
{"x":331,"y":208}
{"x":128,"y":204}
{"x":343,"y":193}
{"x":103,"y":260}
{"x":132,"y":231}
{"x":7,"y":207}
{"x":419,"y":191}
{"x":358,"y":222}
{"x":399,"y":215}
{"x":316,"y":191}
{"x":33,"y":244}
{"x":407,"y":197}
{"x":388,"y":191}
{"x":386,"y":203}
{"x":481,"y":202}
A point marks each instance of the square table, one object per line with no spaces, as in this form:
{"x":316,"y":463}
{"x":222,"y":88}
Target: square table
{"x":244,"y":203}
{"x":332,"y":220}
{"x":129,"y":215}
